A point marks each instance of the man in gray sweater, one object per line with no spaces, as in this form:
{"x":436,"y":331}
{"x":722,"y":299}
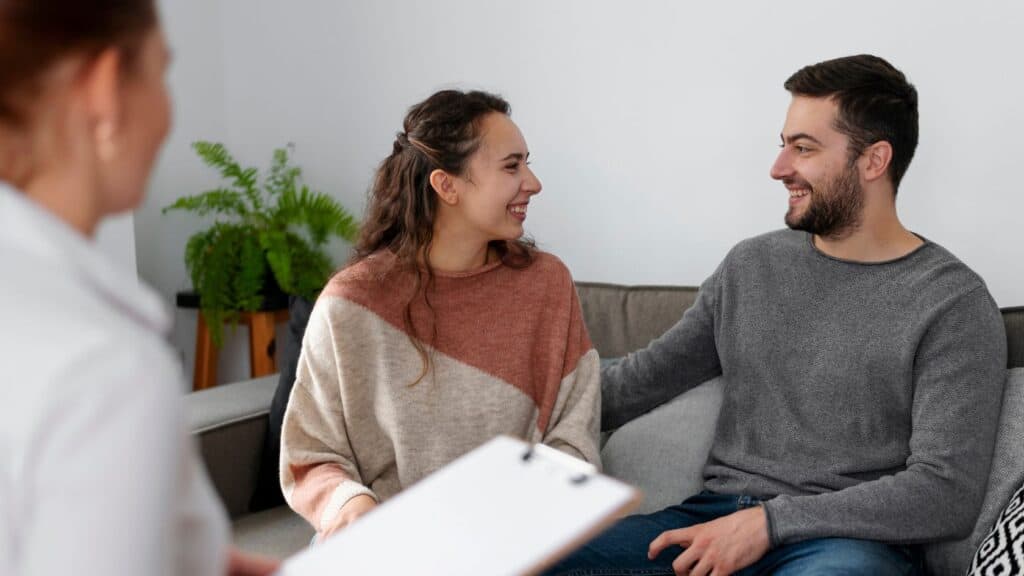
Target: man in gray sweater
{"x":863,"y":366}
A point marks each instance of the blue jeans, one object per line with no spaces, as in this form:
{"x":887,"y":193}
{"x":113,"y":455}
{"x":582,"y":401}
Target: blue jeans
{"x":622,"y":549}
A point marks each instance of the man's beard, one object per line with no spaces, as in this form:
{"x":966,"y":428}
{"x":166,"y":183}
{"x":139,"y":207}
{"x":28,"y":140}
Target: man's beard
{"x":835,"y":207}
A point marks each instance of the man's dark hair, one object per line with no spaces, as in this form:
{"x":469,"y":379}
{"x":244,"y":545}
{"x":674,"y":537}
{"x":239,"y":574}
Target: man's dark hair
{"x":875,"y":103}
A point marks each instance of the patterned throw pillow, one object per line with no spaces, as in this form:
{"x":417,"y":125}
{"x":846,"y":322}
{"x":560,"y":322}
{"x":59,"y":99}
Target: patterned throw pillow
{"x":1002,"y":551}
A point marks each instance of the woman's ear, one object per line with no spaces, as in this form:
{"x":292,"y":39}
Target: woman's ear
{"x":444,"y":185}
{"x":100,"y":84}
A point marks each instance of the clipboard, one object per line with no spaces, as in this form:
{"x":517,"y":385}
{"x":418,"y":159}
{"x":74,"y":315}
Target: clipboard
{"x":506,"y":508}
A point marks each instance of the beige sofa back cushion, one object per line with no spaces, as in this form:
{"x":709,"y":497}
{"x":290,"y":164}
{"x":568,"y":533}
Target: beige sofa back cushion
{"x":622,"y":319}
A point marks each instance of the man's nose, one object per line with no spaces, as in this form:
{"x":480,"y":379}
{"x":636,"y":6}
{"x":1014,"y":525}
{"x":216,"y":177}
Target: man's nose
{"x":783,"y":167}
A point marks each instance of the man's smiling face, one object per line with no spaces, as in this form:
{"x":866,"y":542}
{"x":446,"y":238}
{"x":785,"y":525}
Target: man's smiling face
{"x":825,"y":195}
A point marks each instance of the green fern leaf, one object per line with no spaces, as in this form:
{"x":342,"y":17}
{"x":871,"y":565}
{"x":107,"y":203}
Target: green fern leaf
{"x":215,"y":155}
{"x":276,"y":249}
{"x":282,"y":177}
{"x":250,"y":279}
{"x":218,"y":200}
{"x":312,"y":268}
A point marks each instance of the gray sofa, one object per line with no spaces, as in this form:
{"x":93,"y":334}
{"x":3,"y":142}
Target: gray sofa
{"x":662,"y":452}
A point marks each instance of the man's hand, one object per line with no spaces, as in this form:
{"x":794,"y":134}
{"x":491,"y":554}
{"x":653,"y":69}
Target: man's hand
{"x":242,"y":564}
{"x":348,"y":514}
{"x":719,"y":547}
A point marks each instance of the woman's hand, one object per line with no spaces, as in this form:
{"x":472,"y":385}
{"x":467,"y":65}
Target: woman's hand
{"x":348,"y":514}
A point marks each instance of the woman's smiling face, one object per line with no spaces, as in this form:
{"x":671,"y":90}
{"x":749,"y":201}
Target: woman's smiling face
{"x":498,"y":183}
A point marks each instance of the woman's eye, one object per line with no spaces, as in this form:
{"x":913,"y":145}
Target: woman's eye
{"x":512,"y":167}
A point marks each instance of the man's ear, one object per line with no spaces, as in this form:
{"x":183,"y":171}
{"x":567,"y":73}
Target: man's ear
{"x":877,"y":157}
{"x":444,"y":185}
{"x":100,"y":85}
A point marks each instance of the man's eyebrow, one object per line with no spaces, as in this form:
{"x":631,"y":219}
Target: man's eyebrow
{"x":799,"y":136}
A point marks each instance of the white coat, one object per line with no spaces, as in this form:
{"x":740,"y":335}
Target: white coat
{"x":98,"y":474}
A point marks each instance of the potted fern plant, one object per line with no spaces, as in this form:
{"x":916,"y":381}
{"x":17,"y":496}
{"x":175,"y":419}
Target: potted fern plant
{"x":269,"y":235}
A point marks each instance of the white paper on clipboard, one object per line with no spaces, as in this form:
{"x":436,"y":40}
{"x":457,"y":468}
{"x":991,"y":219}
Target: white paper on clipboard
{"x":506,"y":508}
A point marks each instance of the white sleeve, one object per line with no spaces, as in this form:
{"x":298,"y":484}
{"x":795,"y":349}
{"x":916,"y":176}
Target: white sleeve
{"x":202,"y":521}
{"x":109,"y":468}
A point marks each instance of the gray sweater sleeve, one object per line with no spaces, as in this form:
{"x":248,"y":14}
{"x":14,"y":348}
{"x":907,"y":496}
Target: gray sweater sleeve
{"x":680,"y":359}
{"x":959,"y":373}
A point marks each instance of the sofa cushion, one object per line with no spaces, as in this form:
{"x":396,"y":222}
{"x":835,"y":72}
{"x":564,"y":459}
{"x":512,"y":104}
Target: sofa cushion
{"x":222,"y":406}
{"x":663,"y":452}
{"x":1007,"y":474}
{"x":1002,"y":551}
{"x":230,"y":422}
{"x":621,"y":319}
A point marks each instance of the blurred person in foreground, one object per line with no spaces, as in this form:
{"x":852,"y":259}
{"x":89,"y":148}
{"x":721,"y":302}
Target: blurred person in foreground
{"x":98,"y":475}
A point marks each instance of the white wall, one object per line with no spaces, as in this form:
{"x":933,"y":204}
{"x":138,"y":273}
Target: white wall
{"x":652,"y":123}
{"x":194,"y":31}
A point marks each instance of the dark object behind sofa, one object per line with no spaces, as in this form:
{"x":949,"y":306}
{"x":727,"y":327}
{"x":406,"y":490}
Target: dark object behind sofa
{"x":268,"y":487}
{"x":1014,"y":318}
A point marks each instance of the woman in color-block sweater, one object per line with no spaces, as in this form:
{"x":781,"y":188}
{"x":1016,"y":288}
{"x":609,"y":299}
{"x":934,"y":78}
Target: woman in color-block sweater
{"x":446,"y":329}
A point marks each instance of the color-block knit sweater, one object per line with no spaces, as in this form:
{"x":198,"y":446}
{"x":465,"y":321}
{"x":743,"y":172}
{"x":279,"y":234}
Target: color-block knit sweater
{"x":510,"y":355}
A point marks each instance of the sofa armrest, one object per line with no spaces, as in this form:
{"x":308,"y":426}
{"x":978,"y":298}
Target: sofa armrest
{"x":230,"y":424}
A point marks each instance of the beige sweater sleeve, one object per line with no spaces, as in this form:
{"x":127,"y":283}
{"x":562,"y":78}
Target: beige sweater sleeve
{"x":574,"y":426}
{"x":317,"y":468}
